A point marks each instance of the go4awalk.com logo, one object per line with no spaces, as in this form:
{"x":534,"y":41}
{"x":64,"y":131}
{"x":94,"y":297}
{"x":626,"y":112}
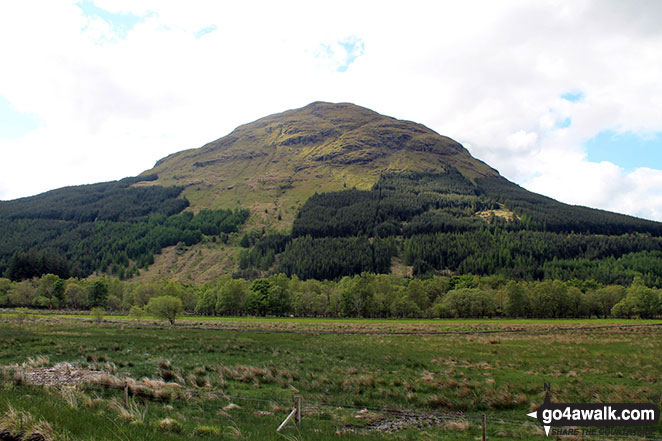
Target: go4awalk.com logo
{"x":594,"y":414}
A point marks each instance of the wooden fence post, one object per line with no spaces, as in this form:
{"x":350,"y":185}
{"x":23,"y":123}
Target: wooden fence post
{"x":484,"y":427}
{"x":297,"y":407}
{"x":296,"y":414}
{"x":126,"y":393}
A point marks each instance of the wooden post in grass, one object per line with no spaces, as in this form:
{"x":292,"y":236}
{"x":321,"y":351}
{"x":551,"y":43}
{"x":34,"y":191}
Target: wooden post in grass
{"x":296,"y":414}
{"x":484,"y":427}
{"x":297,"y":407}
{"x":126,"y":393}
{"x":287,"y":420}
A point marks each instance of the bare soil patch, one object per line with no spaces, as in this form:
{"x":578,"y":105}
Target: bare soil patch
{"x":62,"y":374}
{"x":390,"y":422}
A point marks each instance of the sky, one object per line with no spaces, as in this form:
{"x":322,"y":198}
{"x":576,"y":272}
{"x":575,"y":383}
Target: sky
{"x":562,"y":97}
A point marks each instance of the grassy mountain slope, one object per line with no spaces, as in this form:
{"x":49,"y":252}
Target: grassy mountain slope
{"x":343,"y":184}
{"x":277,"y":162}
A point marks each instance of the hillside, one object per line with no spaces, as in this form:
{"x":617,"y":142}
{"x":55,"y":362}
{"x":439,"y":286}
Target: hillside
{"x":110,"y":227}
{"x":321,"y":192}
{"x":277,"y":162}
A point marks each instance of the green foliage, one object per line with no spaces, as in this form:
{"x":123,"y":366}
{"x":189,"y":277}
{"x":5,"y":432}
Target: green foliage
{"x":331,"y":258}
{"x":75,"y":296}
{"x":358,"y":295}
{"x":539,"y":255}
{"x":98,"y":296}
{"x":110,"y":227}
{"x":98,"y":314}
{"x":433,"y":218}
{"x":115,"y":201}
{"x":515,"y":299}
{"x":5,"y":284}
{"x":606,"y":298}
{"x":415,"y":293}
{"x":137,"y":311}
{"x":22,"y":294}
{"x":206,"y":304}
{"x":262,"y":255}
{"x":232,"y":297}
{"x":545,"y":214}
{"x":366,"y":295}
{"x":165,"y":307}
{"x":611,"y":270}
{"x":270,"y":296}
{"x":465,"y":302}
{"x":404,"y":307}
{"x":408,"y":203}
{"x":33,"y":264}
{"x":640,"y":301}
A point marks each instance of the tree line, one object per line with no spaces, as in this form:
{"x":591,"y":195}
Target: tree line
{"x":112,"y":228}
{"x":540,"y":213}
{"x":365,"y":295}
{"x":536,"y":255}
{"x":431,"y":222}
{"x":411,"y":203}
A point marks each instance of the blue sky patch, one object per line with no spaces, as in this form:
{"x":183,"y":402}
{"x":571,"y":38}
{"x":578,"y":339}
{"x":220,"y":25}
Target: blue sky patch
{"x":573,"y":96}
{"x":204,"y":31}
{"x":342,"y":53}
{"x":563,"y":123}
{"x":354,"y":48}
{"x":120,"y":22}
{"x":628,"y":150}
{"x":14,"y":124}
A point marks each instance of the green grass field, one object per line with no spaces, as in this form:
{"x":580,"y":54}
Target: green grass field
{"x":235,"y":378}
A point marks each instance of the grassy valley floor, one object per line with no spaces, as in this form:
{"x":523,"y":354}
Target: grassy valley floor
{"x":64,"y":377}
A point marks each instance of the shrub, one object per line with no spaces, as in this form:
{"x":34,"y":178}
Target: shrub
{"x":136,"y":312}
{"x":98,"y":314}
{"x":165,"y":307}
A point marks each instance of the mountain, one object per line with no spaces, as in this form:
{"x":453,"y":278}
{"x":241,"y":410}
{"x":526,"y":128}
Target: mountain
{"x":323,"y":191}
{"x":277,"y":162}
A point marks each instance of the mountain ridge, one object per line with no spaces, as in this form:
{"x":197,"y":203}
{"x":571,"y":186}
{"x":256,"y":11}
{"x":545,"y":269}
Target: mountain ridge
{"x":322,"y":177}
{"x":319,"y":147}
{"x":318,"y":110}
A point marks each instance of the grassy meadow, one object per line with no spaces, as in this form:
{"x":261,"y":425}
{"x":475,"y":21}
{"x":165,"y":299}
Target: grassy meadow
{"x":359,"y":379}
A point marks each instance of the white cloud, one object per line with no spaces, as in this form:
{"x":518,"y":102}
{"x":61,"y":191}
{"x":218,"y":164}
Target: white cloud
{"x":576,"y":182}
{"x":489,"y":74}
{"x":522,"y":141}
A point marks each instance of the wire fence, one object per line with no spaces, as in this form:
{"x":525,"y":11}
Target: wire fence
{"x":382,"y":419}
{"x":429,"y":417}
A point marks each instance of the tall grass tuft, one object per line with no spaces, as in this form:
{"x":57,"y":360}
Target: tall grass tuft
{"x":21,"y":425}
{"x":133,"y":412}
